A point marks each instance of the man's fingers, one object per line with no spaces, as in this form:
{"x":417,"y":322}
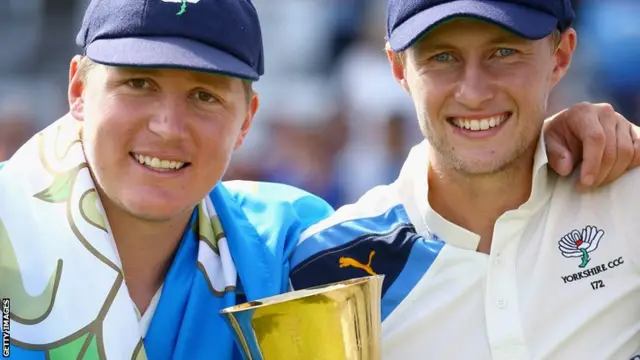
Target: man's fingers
{"x":625,"y":153}
{"x":594,"y":140}
{"x":559,"y":156}
{"x":609,"y":154}
{"x":635,"y":136}
{"x":598,"y":137}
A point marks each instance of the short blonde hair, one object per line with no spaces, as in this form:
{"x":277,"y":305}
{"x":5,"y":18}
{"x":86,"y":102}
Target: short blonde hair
{"x":555,"y":37}
{"x":84,"y":67}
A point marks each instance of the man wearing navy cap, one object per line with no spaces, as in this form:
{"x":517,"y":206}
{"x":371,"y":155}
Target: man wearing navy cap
{"x":117,"y":239}
{"x":486,"y":252}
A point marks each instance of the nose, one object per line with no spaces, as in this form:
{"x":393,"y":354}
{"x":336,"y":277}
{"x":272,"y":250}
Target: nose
{"x":169,"y":120}
{"x":474,"y":89}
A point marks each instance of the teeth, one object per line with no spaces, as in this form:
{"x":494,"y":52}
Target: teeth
{"x":158,"y":164}
{"x":479,"y":124}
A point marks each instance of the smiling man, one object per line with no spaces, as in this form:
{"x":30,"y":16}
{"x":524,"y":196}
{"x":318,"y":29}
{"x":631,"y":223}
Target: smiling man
{"x":487,"y":254}
{"x":117,"y":238}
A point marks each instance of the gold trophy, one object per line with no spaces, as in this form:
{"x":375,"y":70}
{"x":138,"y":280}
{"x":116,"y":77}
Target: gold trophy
{"x":339,"y":321}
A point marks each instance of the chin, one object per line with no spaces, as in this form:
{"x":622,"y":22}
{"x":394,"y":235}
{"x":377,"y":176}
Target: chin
{"x":480,"y":166}
{"x":155,"y":209}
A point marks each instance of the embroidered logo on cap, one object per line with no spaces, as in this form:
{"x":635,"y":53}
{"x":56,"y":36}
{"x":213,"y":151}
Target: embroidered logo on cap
{"x":183,"y":4}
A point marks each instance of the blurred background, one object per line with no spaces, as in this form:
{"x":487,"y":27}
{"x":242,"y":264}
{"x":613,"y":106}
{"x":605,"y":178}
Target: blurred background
{"x":332,"y":121}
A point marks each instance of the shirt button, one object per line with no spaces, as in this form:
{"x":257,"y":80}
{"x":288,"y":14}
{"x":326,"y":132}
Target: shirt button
{"x":498,"y":260}
{"x":501,"y":303}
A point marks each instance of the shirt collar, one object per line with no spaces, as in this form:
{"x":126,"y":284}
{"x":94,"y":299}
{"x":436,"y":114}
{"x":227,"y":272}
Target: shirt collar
{"x":413,"y":189}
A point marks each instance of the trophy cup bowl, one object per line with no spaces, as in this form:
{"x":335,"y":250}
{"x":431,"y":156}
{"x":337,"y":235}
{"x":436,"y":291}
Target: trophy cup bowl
{"x":338,"y":321}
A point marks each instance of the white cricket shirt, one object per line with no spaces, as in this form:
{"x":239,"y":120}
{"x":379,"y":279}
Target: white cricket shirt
{"x":562,"y":281}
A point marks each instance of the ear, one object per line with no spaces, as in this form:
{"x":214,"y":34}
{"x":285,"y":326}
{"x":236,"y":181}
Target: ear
{"x":564,"y":54}
{"x":254,"y":104}
{"x":76,"y":88}
{"x":397,"y":66}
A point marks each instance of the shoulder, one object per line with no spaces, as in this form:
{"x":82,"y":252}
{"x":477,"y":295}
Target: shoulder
{"x":623,"y":193}
{"x":612,"y":208}
{"x":260,"y":196}
{"x":376,"y":228}
{"x":617,"y":200}
{"x":373,"y":236}
{"x":376,"y":217}
{"x":376,"y":211}
{"x":628,"y":182}
{"x":273,"y":205}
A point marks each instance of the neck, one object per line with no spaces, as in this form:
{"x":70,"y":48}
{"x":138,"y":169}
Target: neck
{"x":146,"y":249}
{"x":475,"y":202}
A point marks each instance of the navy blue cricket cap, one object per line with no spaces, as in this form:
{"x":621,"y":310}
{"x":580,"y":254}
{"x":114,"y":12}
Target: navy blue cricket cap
{"x":408,"y":20}
{"x":218,"y":36}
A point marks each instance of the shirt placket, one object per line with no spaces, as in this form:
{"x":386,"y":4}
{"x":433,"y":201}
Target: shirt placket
{"x":502,"y":310}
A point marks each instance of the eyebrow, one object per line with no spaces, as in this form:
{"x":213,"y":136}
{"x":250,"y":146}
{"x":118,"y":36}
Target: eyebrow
{"x":508,"y":39}
{"x":215,"y":80}
{"x":430,"y":46}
